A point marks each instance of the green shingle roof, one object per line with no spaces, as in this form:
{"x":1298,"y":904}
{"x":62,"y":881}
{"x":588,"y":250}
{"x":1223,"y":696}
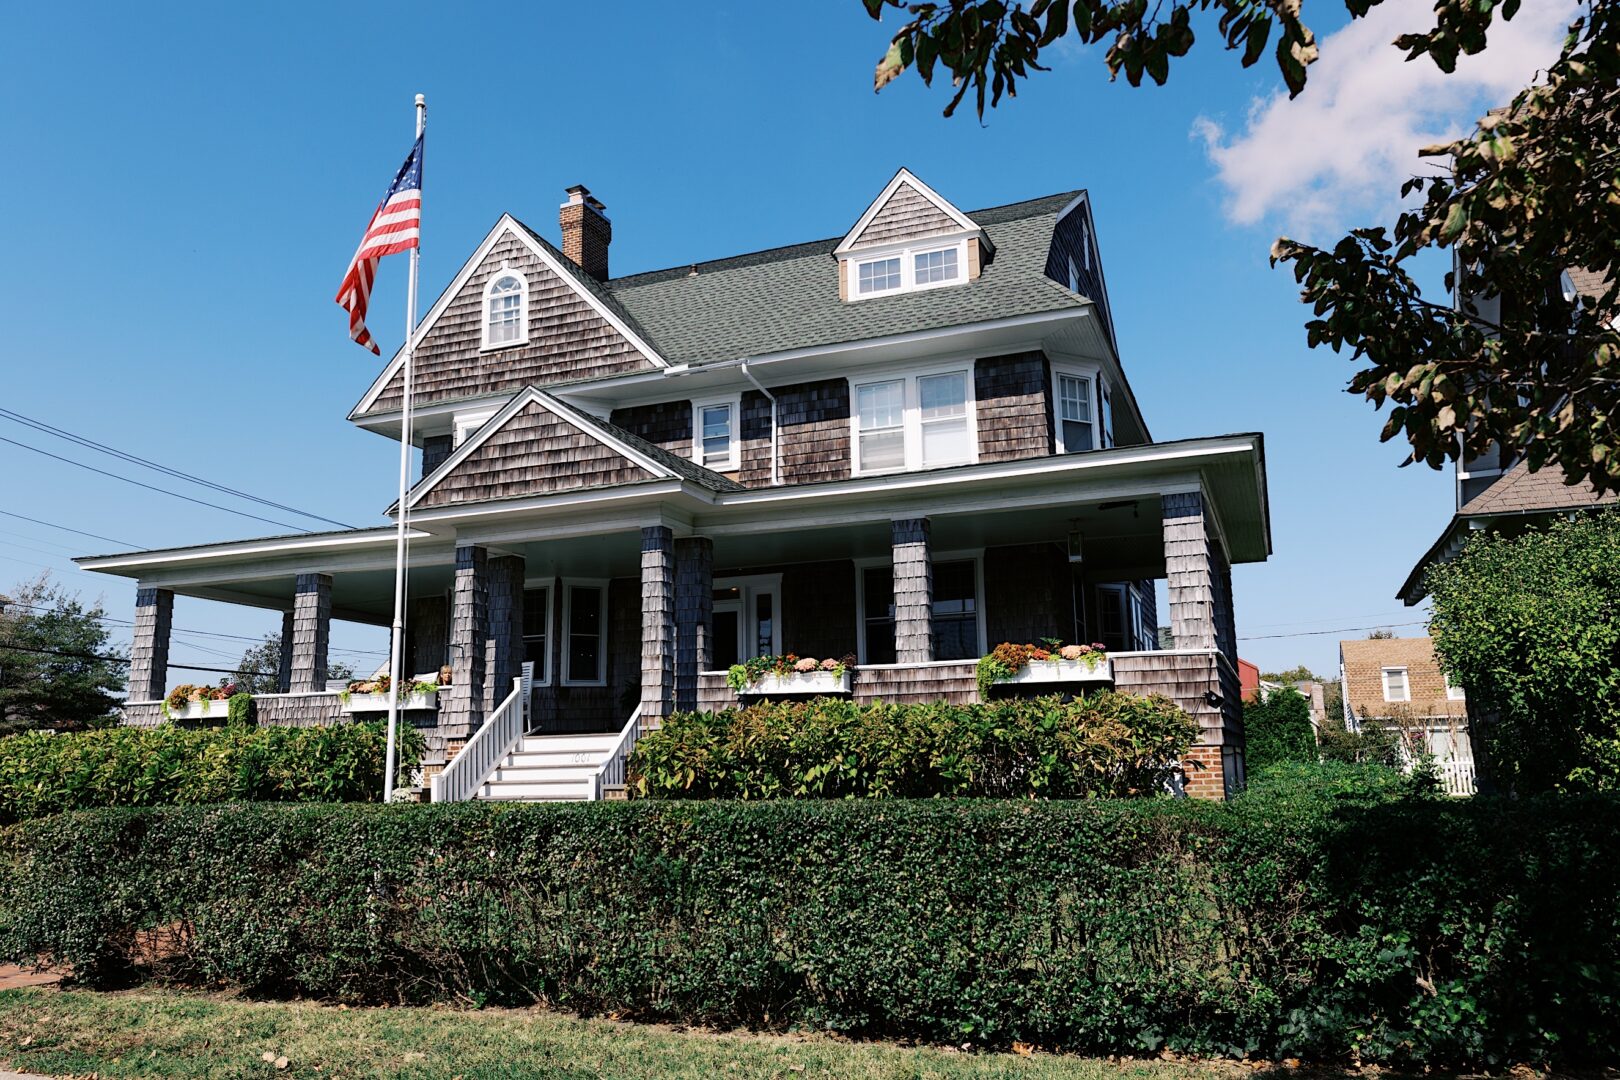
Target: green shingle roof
{"x":787,"y":298}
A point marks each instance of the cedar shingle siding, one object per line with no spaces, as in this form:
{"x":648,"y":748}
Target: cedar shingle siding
{"x":667,"y":424}
{"x":1067,"y":244}
{"x":814,"y":440}
{"x":534,"y":453}
{"x":1029,"y":594}
{"x":905,"y":215}
{"x":818,"y":609}
{"x":1014,"y":406}
{"x":568,"y":340}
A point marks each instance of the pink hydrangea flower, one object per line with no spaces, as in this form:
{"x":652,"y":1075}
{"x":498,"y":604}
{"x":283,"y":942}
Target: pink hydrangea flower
{"x":808,"y":664}
{"x":829,"y":664}
{"x":1074,"y":652}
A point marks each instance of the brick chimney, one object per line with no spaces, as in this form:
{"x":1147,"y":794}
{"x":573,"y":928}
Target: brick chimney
{"x":586,"y":231}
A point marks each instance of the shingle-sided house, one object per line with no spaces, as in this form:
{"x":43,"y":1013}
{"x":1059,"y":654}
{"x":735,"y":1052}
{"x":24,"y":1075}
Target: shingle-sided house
{"x":907,"y":443}
{"x":1398,"y":683}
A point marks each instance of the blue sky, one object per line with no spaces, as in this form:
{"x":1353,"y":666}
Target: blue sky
{"x":185,"y":184}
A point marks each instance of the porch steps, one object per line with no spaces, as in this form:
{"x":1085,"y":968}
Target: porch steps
{"x":548,"y":768}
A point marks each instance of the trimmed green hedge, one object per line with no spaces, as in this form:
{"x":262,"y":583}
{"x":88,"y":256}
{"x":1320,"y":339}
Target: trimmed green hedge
{"x":45,"y":773}
{"x":1109,"y":744}
{"x":1322,"y":923}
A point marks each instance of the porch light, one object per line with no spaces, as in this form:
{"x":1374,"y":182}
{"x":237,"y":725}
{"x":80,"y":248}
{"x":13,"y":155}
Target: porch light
{"x":1074,"y":546}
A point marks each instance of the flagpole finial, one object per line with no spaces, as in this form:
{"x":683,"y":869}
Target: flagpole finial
{"x":421,"y":101}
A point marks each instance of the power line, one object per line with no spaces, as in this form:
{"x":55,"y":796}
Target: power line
{"x":1341,"y":630}
{"x":81,"y":532}
{"x":135,"y":459}
{"x":154,"y":487}
{"x":124,"y":660}
{"x":202,"y":633}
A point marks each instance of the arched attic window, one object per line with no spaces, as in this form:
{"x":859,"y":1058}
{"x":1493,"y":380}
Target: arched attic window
{"x":506,"y":310}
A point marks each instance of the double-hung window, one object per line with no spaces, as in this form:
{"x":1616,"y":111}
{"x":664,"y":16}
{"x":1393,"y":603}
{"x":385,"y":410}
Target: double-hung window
{"x":1076,"y":424}
{"x":505,"y":311}
{"x":537,"y":632}
{"x":913,"y":422}
{"x":714,"y":433}
{"x":1395,"y":687}
{"x":585,"y":634}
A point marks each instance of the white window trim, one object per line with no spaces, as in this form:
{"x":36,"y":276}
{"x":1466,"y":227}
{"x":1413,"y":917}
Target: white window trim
{"x":1453,"y":693}
{"x":864,"y":564}
{"x":733,"y":461}
{"x":1093,"y":375}
{"x":1406,"y":679}
{"x":911,"y":423}
{"x":542,"y":677}
{"x":907,"y":254}
{"x":467,"y":423}
{"x":505,"y":271}
{"x":565,"y":644}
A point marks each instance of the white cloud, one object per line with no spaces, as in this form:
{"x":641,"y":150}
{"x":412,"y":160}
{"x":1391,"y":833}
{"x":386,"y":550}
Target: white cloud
{"x":1325,"y":160}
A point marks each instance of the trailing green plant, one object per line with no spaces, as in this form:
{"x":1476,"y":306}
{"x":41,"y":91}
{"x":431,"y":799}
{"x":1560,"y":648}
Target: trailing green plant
{"x":1109,"y":744}
{"x":746,"y":674}
{"x":1336,"y":921}
{"x":1008,"y":659}
{"x":42,"y":773}
{"x":240,"y":711}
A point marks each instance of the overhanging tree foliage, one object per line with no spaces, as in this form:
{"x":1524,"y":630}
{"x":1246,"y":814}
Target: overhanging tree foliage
{"x":54,"y":666}
{"x":1531,"y":626}
{"x":1524,"y":363}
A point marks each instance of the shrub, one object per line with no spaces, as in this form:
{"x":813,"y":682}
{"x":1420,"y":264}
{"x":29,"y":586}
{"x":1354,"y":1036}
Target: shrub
{"x":1107,"y":744}
{"x":41,"y":773}
{"x":1530,"y":626}
{"x":1277,"y":728}
{"x":1362,"y":926}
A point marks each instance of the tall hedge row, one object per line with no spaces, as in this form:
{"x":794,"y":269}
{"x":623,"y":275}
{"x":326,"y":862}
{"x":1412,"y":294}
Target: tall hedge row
{"x":1410,"y":931}
{"x":1108,"y":744}
{"x":46,"y":773}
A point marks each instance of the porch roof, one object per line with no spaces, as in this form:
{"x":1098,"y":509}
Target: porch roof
{"x":1109,"y":496}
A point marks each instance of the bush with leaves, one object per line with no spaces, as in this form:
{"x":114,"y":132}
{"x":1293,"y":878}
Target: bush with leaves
{"x":42,"y":773}
{"x":1277,"y":728}
{"x":1337,"y":919}
{"x":1108,"y":744}
{"x":1530,"y":624}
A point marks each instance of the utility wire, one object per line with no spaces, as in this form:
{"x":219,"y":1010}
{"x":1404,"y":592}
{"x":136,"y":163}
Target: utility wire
{"x":183,"y":630}
{"x":81,"y":532}
{"x":134,"y":459}
{"x":124,"y":660}
{"x":154,"y":487}
{"x":1341,"y":630}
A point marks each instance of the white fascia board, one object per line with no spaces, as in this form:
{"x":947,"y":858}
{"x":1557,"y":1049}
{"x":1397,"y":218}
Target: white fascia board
{"x":506,"y":224}
{"x":905,"y":176}
{"x":570,"y":502}
{"x":293,"y":545}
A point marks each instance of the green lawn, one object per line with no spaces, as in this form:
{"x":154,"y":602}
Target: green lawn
{"x":155,"y":1034}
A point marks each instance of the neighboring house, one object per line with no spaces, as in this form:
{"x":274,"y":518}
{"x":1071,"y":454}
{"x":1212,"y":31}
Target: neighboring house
{"x":907,"y":443}
{"x":1397,"y":683}
{"x":1249,"y":678}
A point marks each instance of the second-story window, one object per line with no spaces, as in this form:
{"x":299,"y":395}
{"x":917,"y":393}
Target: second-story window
{"x":878,"y":276}
{"x":505,"y":311}
{"x":1076,"y":427}
{"x":934,"y":267}
{"x":714,"y":433}
{"x":921,"y":421}
{"x":906,"y":269}
{"x":1395,"y":688}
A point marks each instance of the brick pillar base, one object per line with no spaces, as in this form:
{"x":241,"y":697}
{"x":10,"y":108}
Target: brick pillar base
{"x":1206,"y":768}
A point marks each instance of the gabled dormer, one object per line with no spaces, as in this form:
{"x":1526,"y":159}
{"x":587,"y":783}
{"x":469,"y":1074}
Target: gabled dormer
{"x":910,"y":238}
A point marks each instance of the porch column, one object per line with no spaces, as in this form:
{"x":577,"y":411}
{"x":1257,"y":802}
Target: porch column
{"x":503,"y":652}
{"x":1189,"y":571}
{"x":657,"y":622}
{"x":284,"y":659}
{"x":311,"y":631}
{"x":913,"y":592}
{"x":469,"y":633}
{"x":694,"y":617}
{"x":149,"y":652}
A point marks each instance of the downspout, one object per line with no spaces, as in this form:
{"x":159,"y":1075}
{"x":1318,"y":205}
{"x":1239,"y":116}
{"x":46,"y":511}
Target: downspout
{"x":776,"y":477}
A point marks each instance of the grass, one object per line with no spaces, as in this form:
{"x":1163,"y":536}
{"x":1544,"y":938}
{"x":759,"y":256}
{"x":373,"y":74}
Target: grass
{"x":160,"y":1034}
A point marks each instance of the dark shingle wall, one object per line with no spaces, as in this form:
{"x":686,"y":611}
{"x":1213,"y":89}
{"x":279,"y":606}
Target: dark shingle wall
{"x":1014,"y":406}
{"x":667,"y":424}
{"x":1028,"y":594}
{"x":1067,"y":244}
{"x":814,"y":440}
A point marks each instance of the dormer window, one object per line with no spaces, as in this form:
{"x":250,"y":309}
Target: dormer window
{"x":506,"y":314}
{"x":918,"y":266}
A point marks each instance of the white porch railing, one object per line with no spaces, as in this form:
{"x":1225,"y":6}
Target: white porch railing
{"x":612,"y":770}
{"x":488,"y":747}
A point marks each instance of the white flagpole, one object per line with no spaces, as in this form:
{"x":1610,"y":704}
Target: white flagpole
{"x":397,"y":649}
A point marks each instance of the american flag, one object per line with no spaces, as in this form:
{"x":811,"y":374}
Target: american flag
{"x":396,"y":226}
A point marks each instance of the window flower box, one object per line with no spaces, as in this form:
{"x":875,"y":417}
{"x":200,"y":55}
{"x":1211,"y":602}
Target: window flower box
{"x":1051,"y":662}
{"x":205,"y":709}
{"x":378,"y":702}
{"x":1059,"y":671}
{"x":800,"y":682}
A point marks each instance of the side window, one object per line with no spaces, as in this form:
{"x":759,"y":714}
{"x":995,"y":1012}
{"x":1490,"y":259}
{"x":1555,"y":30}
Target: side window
{"x":1076,"y":427}
{"x":714,"y":434}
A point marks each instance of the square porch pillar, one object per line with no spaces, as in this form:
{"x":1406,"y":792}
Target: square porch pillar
{"x":284,"y":657}
{"x":311,"y":632}
{"x":913,"y":592}
{"x":657,"y":622}
{"x":503,"y":650}
{"x":149,"y":652}
{"x":463,"y":714}
{"x":694,"y":617}
{"x":1189,"y":571}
